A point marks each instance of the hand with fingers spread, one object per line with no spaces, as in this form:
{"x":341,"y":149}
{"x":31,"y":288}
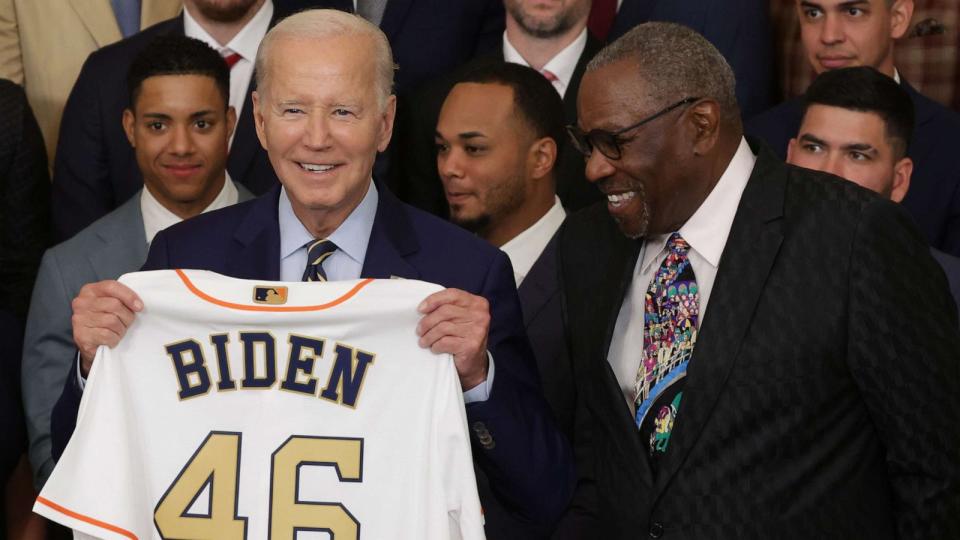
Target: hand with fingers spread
{"x":457,"y":322}
{"x":102,"y":312}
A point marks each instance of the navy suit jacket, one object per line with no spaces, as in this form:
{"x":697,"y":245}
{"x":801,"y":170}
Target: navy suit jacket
{"x":951,"y":268}
{"x":739,"y":29}
{"x":95,"y":169}
{"x":934,"y":196}
{"x":529,"y":465}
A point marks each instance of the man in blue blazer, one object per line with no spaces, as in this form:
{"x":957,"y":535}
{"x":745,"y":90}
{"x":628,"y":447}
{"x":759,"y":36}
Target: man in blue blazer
{"x":833,"y":39}
{"x":322,"y":113}
{"x":739,"y":29}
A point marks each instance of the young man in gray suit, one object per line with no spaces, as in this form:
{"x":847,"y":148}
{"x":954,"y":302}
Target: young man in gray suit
{"x":179,"y":126}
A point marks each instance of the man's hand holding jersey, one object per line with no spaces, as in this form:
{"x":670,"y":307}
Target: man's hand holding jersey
{"x":454,"y":322}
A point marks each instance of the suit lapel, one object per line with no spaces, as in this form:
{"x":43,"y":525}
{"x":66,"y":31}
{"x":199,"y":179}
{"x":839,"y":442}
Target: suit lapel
{"x":540,"y":284}
{"x":923,"y":112}
{"x":128,"y":234}
{"x":245,"y":145}
{"x":751,"y":249}
{"x":100,"y":22}
{"x":393,"y":17}
{"x":258,"y":241}
{"x":391,"y":239}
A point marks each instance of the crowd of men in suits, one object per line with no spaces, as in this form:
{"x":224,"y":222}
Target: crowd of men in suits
{"x":614,"y":185}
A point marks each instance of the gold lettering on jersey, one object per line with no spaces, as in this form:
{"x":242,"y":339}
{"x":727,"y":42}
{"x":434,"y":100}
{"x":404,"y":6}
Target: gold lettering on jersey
{"x":307,"y":358}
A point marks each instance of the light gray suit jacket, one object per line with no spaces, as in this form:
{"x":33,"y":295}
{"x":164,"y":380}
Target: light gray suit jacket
{"x":110,"y":247}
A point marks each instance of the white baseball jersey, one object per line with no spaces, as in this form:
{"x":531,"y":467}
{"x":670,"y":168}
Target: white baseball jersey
{"x":240,"y":409}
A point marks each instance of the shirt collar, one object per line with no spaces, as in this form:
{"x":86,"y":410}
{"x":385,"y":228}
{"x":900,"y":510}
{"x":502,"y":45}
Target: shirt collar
{"x":247,"y":40}
{"x":708,"y":228}
{"x":351,"y":237}
{"x":562,"y":64}
{"x":157,"y":217}
{"x":525,"y":248}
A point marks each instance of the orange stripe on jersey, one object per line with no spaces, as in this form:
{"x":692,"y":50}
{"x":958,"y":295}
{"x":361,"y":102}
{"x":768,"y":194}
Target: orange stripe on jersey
{"x":90,"y":520}
{"x":223,"y":303}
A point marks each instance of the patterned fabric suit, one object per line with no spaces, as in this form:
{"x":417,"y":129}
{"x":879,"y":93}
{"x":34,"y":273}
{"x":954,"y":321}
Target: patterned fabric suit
{"x":822,"y":397}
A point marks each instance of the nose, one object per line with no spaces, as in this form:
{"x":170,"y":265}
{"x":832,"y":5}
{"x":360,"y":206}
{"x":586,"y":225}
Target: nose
{"x":181,"y":142}
{"x":598,"y":166}
{"x":316,"y":134}
{"x":831,"y":31}
{"x":834,"y":164}
{"x":449,"y":164}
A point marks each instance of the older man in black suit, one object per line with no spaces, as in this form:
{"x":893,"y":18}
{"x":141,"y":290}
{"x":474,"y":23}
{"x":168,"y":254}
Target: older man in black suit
{"x":760,"y":351}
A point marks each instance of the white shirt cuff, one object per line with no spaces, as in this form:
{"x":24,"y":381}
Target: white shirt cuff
{"x":81,"y":382}
{"x":481,"y":392}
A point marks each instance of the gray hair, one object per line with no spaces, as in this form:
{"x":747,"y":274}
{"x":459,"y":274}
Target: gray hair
{"x":675,"y":62}
{"x":328,"y":23}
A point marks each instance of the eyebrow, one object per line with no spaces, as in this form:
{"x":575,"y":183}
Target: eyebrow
{"x":806,"y":137}
{"x":861,"y":147}
{"x":158,"y":116}
{"x":842,"y":5}
{"x":467,"y":135}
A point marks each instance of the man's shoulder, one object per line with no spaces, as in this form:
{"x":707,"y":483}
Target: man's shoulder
{"x":933,"y":115}
{"x":777,"y":125}
{"x":438,"y":236}
{"x":124,"y":221}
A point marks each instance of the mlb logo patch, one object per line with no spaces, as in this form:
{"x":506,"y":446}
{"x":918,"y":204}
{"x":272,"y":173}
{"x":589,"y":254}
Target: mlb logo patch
{"x":270,"y":295}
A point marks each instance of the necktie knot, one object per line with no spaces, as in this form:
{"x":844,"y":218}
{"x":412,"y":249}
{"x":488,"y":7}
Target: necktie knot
{"x":317,"y":252}
{"x":677,"y":244}
{"x":231,"y":59}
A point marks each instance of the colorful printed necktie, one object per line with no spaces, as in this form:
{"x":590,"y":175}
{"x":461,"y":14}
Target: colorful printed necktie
{"x":317,"y":252}
{"x":671,"y":312}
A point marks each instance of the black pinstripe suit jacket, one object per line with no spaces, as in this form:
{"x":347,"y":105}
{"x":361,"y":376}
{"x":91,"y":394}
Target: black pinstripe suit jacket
{"x":823,"y":396}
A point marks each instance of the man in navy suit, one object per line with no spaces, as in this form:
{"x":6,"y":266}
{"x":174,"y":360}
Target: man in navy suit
{"x":739,"y":29}
{"x":497,"y":139}
{"x":856,"y":124}
{"x":837,"y":34}
{"x":322,"y":114}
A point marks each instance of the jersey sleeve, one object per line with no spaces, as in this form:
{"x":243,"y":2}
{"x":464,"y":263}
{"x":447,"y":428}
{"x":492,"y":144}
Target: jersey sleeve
{"x":450,"y":449}
{"x":93,"y":487}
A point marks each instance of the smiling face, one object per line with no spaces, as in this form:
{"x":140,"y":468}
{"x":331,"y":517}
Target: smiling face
{"x":647,"y":188}
{"x":319,"y":119}
{"x":846,"y":33}
{"x":482,"y":155}
{"x":853,"y":145}
{"x":179,"y":128}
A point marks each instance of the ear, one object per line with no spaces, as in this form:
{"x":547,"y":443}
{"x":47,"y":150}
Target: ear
{"x":258,"y":106}
{"x":542,"y":157}
{"x":902,"y":171}
{"x":704,"y":120}
{"x":129,"y":121}
{"x":231,"y":121}
{"x":386,"y":123}
{"x":901,"y":12}
{"x":791,"y":148}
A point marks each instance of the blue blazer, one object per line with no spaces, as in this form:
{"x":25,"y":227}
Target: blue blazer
{"x":529,"y":463}
{"x":739,"y":29}
{"x":934,"y":196}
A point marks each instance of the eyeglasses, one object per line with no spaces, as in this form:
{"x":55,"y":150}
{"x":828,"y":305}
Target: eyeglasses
{"x":610,"y":143}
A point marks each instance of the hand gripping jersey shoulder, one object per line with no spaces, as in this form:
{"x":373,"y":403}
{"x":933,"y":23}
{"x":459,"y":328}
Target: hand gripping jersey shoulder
{"x":238,"y":409}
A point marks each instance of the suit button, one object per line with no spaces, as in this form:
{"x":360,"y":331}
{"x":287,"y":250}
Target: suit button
{"x":656,"y":530}
{"x":479,"y":427}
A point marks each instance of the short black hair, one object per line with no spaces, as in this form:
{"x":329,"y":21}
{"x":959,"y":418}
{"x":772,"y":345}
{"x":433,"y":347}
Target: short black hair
{"x":172,"y":54}
{"x":534,"y":98}
{"x":865,"y":89}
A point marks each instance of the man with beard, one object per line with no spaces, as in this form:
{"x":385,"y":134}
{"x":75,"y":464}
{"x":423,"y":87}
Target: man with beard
{"x":95,"y":169}
{"x":817,"y":398}
{"x":550,"y":37}
{"x":497,"y":140}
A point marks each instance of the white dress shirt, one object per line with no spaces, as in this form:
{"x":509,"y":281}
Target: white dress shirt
{"x":562,"y":65}
{"x":525,"y":248}
{"x":245,"y":43}
{"x":157,"y":217}
{"x":706,"y":231}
